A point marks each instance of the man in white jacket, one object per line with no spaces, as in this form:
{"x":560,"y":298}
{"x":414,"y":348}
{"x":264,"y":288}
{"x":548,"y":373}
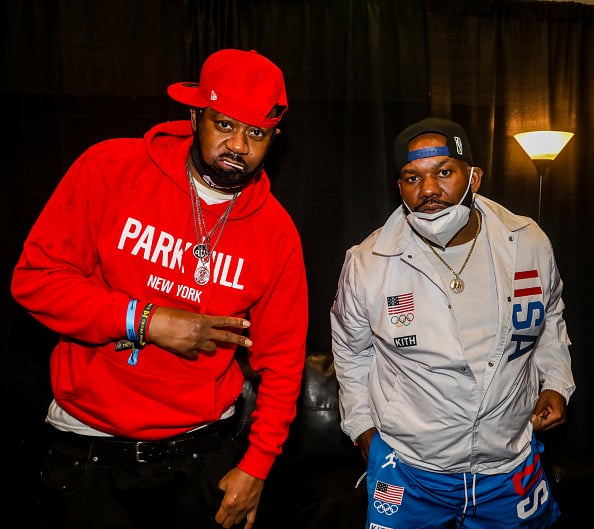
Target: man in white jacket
{"x":451,"y":349}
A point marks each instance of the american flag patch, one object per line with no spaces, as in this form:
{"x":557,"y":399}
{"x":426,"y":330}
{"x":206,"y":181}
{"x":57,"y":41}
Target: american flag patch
{"x":388,"y":493}
{"x":527,"y":283}
{"x":400,"y":304}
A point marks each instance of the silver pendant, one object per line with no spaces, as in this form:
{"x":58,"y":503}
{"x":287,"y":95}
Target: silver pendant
{"x":201,"y":250}
{"x":202,"y":273}
{"x":457,"y":285}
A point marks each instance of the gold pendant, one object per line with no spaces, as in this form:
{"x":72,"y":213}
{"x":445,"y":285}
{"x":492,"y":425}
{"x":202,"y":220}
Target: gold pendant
{"x":457,"y":285}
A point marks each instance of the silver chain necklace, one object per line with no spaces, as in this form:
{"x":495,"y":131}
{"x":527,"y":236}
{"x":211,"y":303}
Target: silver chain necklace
{"x":457,"y":284}
{"x":203,"y":248}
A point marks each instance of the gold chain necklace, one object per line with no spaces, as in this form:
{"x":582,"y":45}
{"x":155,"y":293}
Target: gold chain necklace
{"x":456,"y":284}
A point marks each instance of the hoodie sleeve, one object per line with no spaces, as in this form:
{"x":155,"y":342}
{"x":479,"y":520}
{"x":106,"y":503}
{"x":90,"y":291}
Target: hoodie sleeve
{"x":279,"y":329}
{"x":56,"y":278}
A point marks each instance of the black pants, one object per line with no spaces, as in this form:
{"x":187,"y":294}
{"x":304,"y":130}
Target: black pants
{"x":90,"y":483}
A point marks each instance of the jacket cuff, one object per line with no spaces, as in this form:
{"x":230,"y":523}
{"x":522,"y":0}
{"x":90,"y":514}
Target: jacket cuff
{"x":559,"y":388}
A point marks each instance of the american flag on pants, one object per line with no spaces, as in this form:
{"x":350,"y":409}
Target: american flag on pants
{"x":388,"y":493}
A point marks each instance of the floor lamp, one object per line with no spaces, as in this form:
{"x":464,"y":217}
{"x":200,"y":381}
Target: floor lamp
{"x":543,"y":146}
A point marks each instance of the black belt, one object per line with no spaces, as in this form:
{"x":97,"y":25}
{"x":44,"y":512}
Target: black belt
{"x":98,"y":449}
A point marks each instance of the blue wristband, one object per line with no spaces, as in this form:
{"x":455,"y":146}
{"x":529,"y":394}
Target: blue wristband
{"x":131,"y":320}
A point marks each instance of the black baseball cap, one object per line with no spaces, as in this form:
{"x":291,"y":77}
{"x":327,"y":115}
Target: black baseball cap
{"x":457,"y":144}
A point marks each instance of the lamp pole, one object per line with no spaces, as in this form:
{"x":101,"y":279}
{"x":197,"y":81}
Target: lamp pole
{"x":542,"y":167}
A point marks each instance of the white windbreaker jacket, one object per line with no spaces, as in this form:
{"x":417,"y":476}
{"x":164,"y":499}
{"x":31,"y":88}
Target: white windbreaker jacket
{"x":413,"y":382}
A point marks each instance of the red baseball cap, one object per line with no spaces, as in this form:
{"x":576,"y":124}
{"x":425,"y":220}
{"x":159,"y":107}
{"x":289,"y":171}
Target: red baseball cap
{"x":243,"y":85}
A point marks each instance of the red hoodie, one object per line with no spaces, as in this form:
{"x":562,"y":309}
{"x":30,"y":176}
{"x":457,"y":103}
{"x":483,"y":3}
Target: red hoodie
{"x":119,"y":226}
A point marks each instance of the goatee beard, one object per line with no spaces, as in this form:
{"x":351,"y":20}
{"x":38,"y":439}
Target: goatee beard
{"x":231,"y":180}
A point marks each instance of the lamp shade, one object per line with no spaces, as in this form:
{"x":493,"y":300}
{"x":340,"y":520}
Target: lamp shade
{"x":543,"y":144}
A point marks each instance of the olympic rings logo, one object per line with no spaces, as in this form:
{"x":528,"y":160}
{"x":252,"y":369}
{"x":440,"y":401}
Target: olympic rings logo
{"x":385,"y":508}
{"x":402,"y":320}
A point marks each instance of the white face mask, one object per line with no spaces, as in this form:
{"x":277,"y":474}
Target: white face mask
{"x":441,"y":226}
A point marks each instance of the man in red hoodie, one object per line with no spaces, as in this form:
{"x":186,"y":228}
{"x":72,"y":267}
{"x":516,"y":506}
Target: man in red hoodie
{"x":154,"y":260}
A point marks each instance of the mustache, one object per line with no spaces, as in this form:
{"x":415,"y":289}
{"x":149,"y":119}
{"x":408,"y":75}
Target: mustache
{"x":234,"y":160}
{"x":431,"y":200}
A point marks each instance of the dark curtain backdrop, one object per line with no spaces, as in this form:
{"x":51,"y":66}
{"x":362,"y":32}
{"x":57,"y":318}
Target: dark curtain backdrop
{"x":76,"y":72}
